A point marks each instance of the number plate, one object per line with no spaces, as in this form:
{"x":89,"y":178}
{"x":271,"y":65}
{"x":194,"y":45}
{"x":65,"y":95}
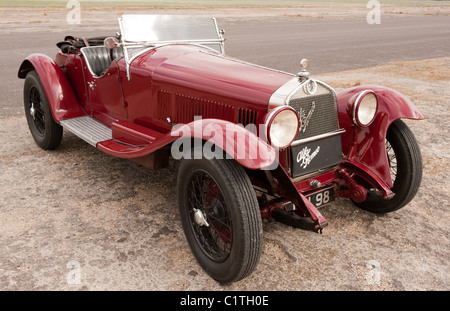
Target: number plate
{"x":312,"y":156}
{"x":321,"y":197}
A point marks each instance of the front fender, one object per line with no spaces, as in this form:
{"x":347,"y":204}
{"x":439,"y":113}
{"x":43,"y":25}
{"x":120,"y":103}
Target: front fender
{"x":60,"y":95}
{"x":238,"y":143}
{"x":368,"y":146}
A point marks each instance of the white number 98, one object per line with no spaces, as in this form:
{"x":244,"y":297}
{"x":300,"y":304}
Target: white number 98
{"x":322,"y":198}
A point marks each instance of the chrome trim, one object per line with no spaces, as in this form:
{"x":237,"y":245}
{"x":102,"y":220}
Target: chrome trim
{"x":125,"y":51}
{"x":315,"y":183}
{"x":300,"y":86}
{"x":304,"y":63}
{"x":279,"y":97}
{"x":273,"y":112}
{"x":358,"y":102}
{"x":284,"y":93}
{"x":314,"y":84}
{"x":33,"y":111}
{"x":321,"y":136}
{"x":153,"y":44}
{"x":282,"y":96}
{"x":197,"y":41}
{"x":305,"y":117}
{"x":316,"y":173}
{"x":85,"y":60}
{"x":200,"y":218}
{"x":270,"y":116}
{"x":327,"y":86}
{"x":333,"y":91}
{"x":219,"y":35}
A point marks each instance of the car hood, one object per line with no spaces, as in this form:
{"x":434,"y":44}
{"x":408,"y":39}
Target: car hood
{"x":200,"y":71}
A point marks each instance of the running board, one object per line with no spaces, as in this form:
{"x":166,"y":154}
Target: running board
{"x":123,"y":139}
{"x":88,"y":129}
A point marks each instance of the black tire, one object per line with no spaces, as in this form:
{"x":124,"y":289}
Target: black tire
{"x":405,"y":163}
{"x":45,"y":131}
{"x":229,"y":248}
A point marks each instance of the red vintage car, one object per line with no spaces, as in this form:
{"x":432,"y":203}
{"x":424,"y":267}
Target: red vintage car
{"x":253,"y":142}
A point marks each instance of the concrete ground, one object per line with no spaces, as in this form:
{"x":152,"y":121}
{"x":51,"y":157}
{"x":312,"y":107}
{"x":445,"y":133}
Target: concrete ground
{"x":78,"y":219}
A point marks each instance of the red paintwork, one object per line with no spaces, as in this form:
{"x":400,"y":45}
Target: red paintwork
{"x":289,"y":190}
{"x":172,"y":84}
{"x":370,"y":142}
{"x":62,"y":100}
{"x":71,"y":65}
{"x":199,"y":73}
{"x":106,"y":100}
{"x":368,"y":176}
{"x":134,"y":134}
{"x":304,"y":186}
{"x":256,"y":155}
{"x":115,"y":99}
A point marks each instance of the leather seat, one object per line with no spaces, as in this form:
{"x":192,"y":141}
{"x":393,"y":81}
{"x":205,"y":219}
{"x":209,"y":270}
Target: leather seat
{"x":117,"y":53}
{"x":99,"y":58}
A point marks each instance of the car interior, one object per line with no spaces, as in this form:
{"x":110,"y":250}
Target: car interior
{"x":97,"y":56}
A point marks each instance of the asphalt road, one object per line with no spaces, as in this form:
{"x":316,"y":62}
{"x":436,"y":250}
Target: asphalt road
{"x":275,"y":42}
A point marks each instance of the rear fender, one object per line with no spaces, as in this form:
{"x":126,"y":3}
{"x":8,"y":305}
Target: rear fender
{"x":238,"y":143}
{"x":366,"y":146}
{"x":60,"y":95}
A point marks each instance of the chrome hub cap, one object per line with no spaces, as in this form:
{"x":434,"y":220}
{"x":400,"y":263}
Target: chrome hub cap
{"x":199,"y":218}
{"x":33,"y":111}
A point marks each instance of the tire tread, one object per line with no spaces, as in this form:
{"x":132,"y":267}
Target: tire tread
{"x":246,"y":210}
{"x":407,"y":184}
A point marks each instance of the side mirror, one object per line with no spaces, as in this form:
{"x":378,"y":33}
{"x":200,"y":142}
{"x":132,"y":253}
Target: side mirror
{"x":111,"y":43}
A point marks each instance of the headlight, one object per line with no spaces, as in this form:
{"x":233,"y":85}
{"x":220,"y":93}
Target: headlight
{"x":362,"y":108}
{"x":282,"y":126}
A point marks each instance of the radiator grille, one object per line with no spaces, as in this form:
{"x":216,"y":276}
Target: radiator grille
{"x":187,"y":107}
{"x":317,"y":113}
{"x":247,"y":116}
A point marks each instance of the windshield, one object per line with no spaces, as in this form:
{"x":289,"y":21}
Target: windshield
{"x":142,"y":32}
{"x":161,"y":29}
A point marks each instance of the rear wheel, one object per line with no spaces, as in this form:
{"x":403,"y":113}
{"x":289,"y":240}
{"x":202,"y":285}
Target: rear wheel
{"x":405,"y":164}
{"x":220,"y":217}
{"x":45,"y":131}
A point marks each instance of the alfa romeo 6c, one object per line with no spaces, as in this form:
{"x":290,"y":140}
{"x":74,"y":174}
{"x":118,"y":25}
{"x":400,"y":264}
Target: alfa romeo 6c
{"x":253,"y":142}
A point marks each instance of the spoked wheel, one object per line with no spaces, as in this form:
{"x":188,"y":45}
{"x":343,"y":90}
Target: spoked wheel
{"x":210,"y":217}
{"x":405,"y":164}
{"x":220,"y":217}
{"x":36,"y":111}
{"x":45,"y":131}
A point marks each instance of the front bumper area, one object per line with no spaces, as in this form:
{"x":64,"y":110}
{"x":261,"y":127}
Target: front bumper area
{"x":292,"y":206}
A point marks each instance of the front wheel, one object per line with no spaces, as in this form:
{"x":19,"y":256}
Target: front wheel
{"x":220,"y":217}
{"x":405,"y":164}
